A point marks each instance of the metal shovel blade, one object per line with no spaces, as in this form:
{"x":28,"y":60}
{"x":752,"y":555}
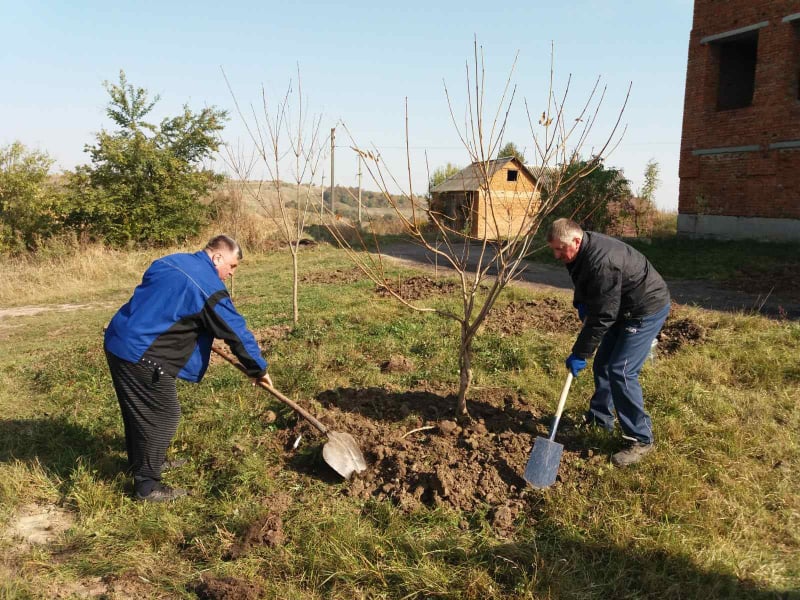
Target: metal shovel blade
{"x":342,"y":454}
{"x":542,"y":467}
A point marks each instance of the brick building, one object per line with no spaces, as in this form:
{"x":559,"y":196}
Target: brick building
{"x":740,"y":148}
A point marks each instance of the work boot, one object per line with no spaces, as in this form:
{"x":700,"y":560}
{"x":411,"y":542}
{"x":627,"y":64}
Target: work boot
{"x":632,"y":454}
{"x":161,"y":493}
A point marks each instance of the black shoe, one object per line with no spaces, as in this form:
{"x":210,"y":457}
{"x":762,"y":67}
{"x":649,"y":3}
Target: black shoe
{"x":161,"y":493}
{"x":174,"y":463}
{"x":633,"y":454}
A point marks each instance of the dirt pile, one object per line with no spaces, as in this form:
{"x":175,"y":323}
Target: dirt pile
{"x":397,"y":363}
{"x":267,"y":529}
{"x":548,"y":315}
{"x":419,"y":287}
{"x":677,"y":332}
{"x":335,"y":276}
{"x":227,"y":588}
{"x":419,"y":454}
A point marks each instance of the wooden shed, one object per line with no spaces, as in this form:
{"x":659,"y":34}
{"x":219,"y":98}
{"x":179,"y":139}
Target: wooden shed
{"x":493,"y":206}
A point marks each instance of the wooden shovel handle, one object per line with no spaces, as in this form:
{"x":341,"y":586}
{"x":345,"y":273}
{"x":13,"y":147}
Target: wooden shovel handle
{"x":290,"y":403}
{"x":561,"y":402}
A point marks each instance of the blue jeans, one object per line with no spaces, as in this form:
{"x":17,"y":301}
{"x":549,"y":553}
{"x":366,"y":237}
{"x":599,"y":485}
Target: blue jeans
{"x":621,"y":355}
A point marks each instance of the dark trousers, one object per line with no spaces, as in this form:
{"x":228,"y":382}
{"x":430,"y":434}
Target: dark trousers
{"x":148,"y":399}
{"x":621,"y":355}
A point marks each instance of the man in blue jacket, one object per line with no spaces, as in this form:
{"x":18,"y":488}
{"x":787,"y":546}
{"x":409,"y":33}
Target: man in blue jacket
{"x":164,"y":332}
{"x":623,"y":303}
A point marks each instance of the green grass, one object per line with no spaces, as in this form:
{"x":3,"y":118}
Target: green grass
{"x":714,"y":514}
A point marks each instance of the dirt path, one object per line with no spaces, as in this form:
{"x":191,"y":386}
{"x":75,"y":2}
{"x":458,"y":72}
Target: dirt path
{"x":691,"y":292}
{"x":26,"y":311}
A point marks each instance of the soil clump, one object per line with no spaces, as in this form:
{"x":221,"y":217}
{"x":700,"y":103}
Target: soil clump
{"x":397,"y":363}
{"x":227,"y":588}
{"x":678,"y":332}
{"x":267,"y":529}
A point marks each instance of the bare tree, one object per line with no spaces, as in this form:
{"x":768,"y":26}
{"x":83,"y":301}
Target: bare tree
{"x":285,"y":143}
{"x":486,"y":257}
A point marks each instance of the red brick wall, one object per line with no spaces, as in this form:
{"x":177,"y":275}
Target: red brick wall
{"x":765,"y":183}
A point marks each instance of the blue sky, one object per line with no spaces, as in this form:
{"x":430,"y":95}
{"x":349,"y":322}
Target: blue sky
{"x":359,"y":61}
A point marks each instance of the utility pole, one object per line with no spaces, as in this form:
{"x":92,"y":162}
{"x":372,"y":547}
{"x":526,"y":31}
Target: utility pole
{"x":333,"y":137}
{"x":359,"y":191}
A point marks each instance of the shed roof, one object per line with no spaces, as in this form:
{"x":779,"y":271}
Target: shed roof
{"x":469,"y":178}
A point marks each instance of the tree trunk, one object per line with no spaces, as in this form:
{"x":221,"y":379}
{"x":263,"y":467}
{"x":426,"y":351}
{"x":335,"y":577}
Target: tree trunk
{"x":295,"y":308}
{"x":465,"y":363}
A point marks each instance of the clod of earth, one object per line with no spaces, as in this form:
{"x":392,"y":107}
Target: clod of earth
{"x":397,"y":363}
{"x":265,"y":530}
{"x":227,"y":588}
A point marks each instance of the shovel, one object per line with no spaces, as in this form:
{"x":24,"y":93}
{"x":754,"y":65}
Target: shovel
{"x":545,"y":457}
{"x":341,"y":451}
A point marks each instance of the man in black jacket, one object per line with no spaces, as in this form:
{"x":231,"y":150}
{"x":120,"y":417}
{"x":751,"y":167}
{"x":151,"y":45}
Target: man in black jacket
{"x":623,"y":303}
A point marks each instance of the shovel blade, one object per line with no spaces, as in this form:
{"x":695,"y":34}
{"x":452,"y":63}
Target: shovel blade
{"x":543,"y":463}
{"x":342,"y":454}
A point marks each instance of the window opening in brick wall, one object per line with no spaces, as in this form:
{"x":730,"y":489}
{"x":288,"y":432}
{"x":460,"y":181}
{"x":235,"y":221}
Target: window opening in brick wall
{"x":511,"y":175}
{"x":737,"y":71}
{"x":796,"y":62}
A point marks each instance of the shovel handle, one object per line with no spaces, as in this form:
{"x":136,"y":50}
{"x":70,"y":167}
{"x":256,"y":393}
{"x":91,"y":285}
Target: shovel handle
{"x":261,"y":383}
{"x":561,"y":402}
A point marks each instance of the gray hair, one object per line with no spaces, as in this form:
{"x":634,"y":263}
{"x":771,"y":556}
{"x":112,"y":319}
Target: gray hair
{"x":224,"y":242}
{"x":564,"y":230}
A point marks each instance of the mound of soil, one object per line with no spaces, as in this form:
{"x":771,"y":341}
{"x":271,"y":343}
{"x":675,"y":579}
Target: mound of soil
{"x":677,"y":332}
{"x":335,"y":276}
{"x":419,"y":454}
{"x":548,"y":315}
{"x":227,"y":588}
{"x":397,"y":363}
{"x":419,"y":287}
{"x":267,"y":529}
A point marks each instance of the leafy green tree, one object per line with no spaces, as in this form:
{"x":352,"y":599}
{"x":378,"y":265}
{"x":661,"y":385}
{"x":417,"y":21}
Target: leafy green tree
{"x":510,"y":149}
{"x":651,"y":180}
{"x":146,"y":181}
{"x":442,"y":173}
{"x":586,"y":200}
{"x":28,"y":198}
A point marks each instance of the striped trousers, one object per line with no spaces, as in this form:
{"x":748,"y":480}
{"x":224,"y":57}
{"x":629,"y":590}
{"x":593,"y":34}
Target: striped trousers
{"x":148,"y":399}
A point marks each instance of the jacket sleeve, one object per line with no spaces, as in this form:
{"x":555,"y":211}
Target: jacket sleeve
{"x":224,"y":322}
{"x":602,"y":296}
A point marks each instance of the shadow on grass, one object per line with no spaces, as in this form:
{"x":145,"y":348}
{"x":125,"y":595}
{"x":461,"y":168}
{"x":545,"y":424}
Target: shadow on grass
{"x":568,"y":568}
{"x":59,"y":445}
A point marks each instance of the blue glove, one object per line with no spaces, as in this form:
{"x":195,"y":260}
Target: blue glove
{"x":575,"y":364}
{"x":582,"y":310}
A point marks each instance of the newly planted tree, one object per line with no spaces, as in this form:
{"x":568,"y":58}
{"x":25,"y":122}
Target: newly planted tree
{"x":504,"y":212}
{"x":290,"y":144}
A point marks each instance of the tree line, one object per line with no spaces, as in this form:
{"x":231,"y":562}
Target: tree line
{"x":142,"y":186}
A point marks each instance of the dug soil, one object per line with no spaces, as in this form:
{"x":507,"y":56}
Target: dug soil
{"x":419,"y":287}
{"x":420,"y":454}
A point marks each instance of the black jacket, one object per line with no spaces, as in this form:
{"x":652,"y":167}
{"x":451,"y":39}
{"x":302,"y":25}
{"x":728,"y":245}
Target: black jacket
{"x":615,"y":282}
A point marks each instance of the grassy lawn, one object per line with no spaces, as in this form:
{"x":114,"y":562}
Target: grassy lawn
{"x":713,"y":513}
